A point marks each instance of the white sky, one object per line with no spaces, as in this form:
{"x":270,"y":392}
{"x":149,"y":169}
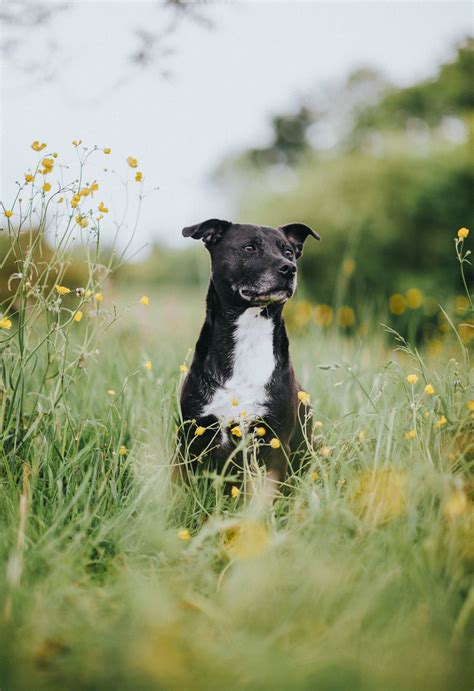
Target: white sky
{"x":259,"y":59}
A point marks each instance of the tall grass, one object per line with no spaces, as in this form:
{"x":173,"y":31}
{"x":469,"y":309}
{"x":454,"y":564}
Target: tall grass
{"x":113,"y":576}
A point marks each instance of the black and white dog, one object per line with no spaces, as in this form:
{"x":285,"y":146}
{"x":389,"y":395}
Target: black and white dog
{"x":241,"y":379}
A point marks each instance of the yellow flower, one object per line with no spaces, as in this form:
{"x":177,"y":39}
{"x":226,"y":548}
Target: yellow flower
{"x":107,"y":150}
{"x":463,"y":233}
{"x":148,"y":365}
{"x":46,"y":187}
{"x":380,"y":495}
{"x":183,"y":368}
{"x":234,"y":402}
{"x":111,"y":392}
{"x":323,"y":315}
{"x":235,"y":491}
{"x":325,"y":451}
{"x":199,"y":431}
{"x":412,"y":378}
{"x":397,"y":304}
{"x":260,"y":431}
{"x":246,"y":540}
{"x":470,"y":405}
{"x":8,"y":214}
{"x":48,"y":163}
{"x":236,"y":431}
{"x":75,"y":200}
{"x":77,"y":142}
{"x":78,"y":316}
{"x":62,"y":290}
{"x":123,"y":450}
{"x":184,"y":534}
{"x":98,"y":297}
{"x":5,"y":323}
{"x":456,"y":505}
{"x":345,"y":316}
{"x":411,"y":434}
{"x":93,"y":188}
{"x":414,"y":298}
{"x":275,"y":443}
{"x":145,"y":300}
{"x":138,"y":176}
{"x":82,"y":221}
{"x":429,"y":389}
{"x":441,"y":421}
{"x":29,"y":178}
{"x":102,"y":208}
{"x":314,"y":476}
{"x":132,"y":162}
{"x":36,"y":146}
{"x":304,"y":397}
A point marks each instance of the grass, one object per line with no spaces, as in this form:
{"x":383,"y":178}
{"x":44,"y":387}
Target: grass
{"x":113,"y":576}
{"x":359,"y":578}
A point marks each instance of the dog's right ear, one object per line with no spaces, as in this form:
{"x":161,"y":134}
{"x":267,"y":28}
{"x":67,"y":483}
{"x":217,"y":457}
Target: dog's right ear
{"x":210,"y":231}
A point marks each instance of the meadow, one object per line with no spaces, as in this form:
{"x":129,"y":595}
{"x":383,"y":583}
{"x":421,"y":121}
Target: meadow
{"x":114,"y":575}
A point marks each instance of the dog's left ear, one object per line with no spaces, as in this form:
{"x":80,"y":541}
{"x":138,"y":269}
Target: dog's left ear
{"x":210,"y":231}
{"x":296,"y":234}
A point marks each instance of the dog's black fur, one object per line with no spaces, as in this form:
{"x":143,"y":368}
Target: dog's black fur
{"x":251,"y":266}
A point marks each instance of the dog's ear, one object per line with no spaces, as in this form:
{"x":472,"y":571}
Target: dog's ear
{"x":296,"y":234}
{"x":210,"y":231}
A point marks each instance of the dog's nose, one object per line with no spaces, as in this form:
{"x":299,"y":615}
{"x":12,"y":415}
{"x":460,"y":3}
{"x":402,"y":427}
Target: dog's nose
{"x":287,"y":269}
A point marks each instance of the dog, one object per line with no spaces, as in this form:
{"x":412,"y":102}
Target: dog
{"x":241,"y":380}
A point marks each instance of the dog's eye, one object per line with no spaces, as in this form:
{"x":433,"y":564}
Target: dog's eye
{"x":249,"y":248}
{"x":288,"y":253}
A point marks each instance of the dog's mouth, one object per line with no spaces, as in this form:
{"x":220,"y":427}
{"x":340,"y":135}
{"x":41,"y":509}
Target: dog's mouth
{"x":277,"y":295}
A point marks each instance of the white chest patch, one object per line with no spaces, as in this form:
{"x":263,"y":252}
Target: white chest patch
{"x":243,"y":395}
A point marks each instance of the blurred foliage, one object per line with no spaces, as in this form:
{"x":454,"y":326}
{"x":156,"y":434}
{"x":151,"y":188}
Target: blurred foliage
{"x":384,"y":173}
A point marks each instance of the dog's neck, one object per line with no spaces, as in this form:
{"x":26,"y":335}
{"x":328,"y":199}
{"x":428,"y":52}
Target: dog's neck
{"x":215,"y":349}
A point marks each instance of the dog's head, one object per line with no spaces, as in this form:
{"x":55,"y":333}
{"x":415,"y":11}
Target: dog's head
{"x":251,"y":264}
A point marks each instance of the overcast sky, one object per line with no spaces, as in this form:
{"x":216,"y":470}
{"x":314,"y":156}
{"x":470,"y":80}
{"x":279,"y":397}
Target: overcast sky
{"x":259,"y":58}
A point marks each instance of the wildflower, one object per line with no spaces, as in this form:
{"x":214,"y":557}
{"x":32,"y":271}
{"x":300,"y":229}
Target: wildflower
{"x":234,"y":402}
{"x":148,"y":365}
{"x":123,"y":450}
{"x":47,"y":187}
{"x":62,"y":290}
{"x":441,"y":421}
{"x":304,"y":397}
{"x":98,"y":297}
{"x":429,"y":389}
{"x":397,"y":304}
{"x":380,"y":495}
{"x":323,"y":315}
{"x":246,"y":540}
{"x":77,"y":142}
{"x":7,"y":213}
{"x":145,"y":300}
{"x":314,"y":476}
{"x":107,"y":150}
{"x":138,"y":176}
{"x":183,"y":368}
{"x":199,"y":431}
{"x":456,"y":505}
{"x":29,"y":178}
{"x":184,"y":534}
{"x":260,"y":431}
{"x":236,"y":431}
{"x":470,"y":405}
{"x":93,"y":188}
{"x":411,"y":434}
{"x":235,"y":491}
{"x":275,"y":443}
{"x":414,"y":298}
{"x":84,"y":192}
{"x":75,"y":200}
{"x":412,"y":378}
{"x":111,"y":392}
{"x":48,"y":164}
{"x":345,"y":316}
{"x":36,"y":146}
{"x":325,"y":451}
{"x":82,"y":221}
{"x":5,"y":323}
{"x":132,"y":162}
{"x":463,"y":233}
{"x":102,"y":208}
{"x":78,"y":316}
